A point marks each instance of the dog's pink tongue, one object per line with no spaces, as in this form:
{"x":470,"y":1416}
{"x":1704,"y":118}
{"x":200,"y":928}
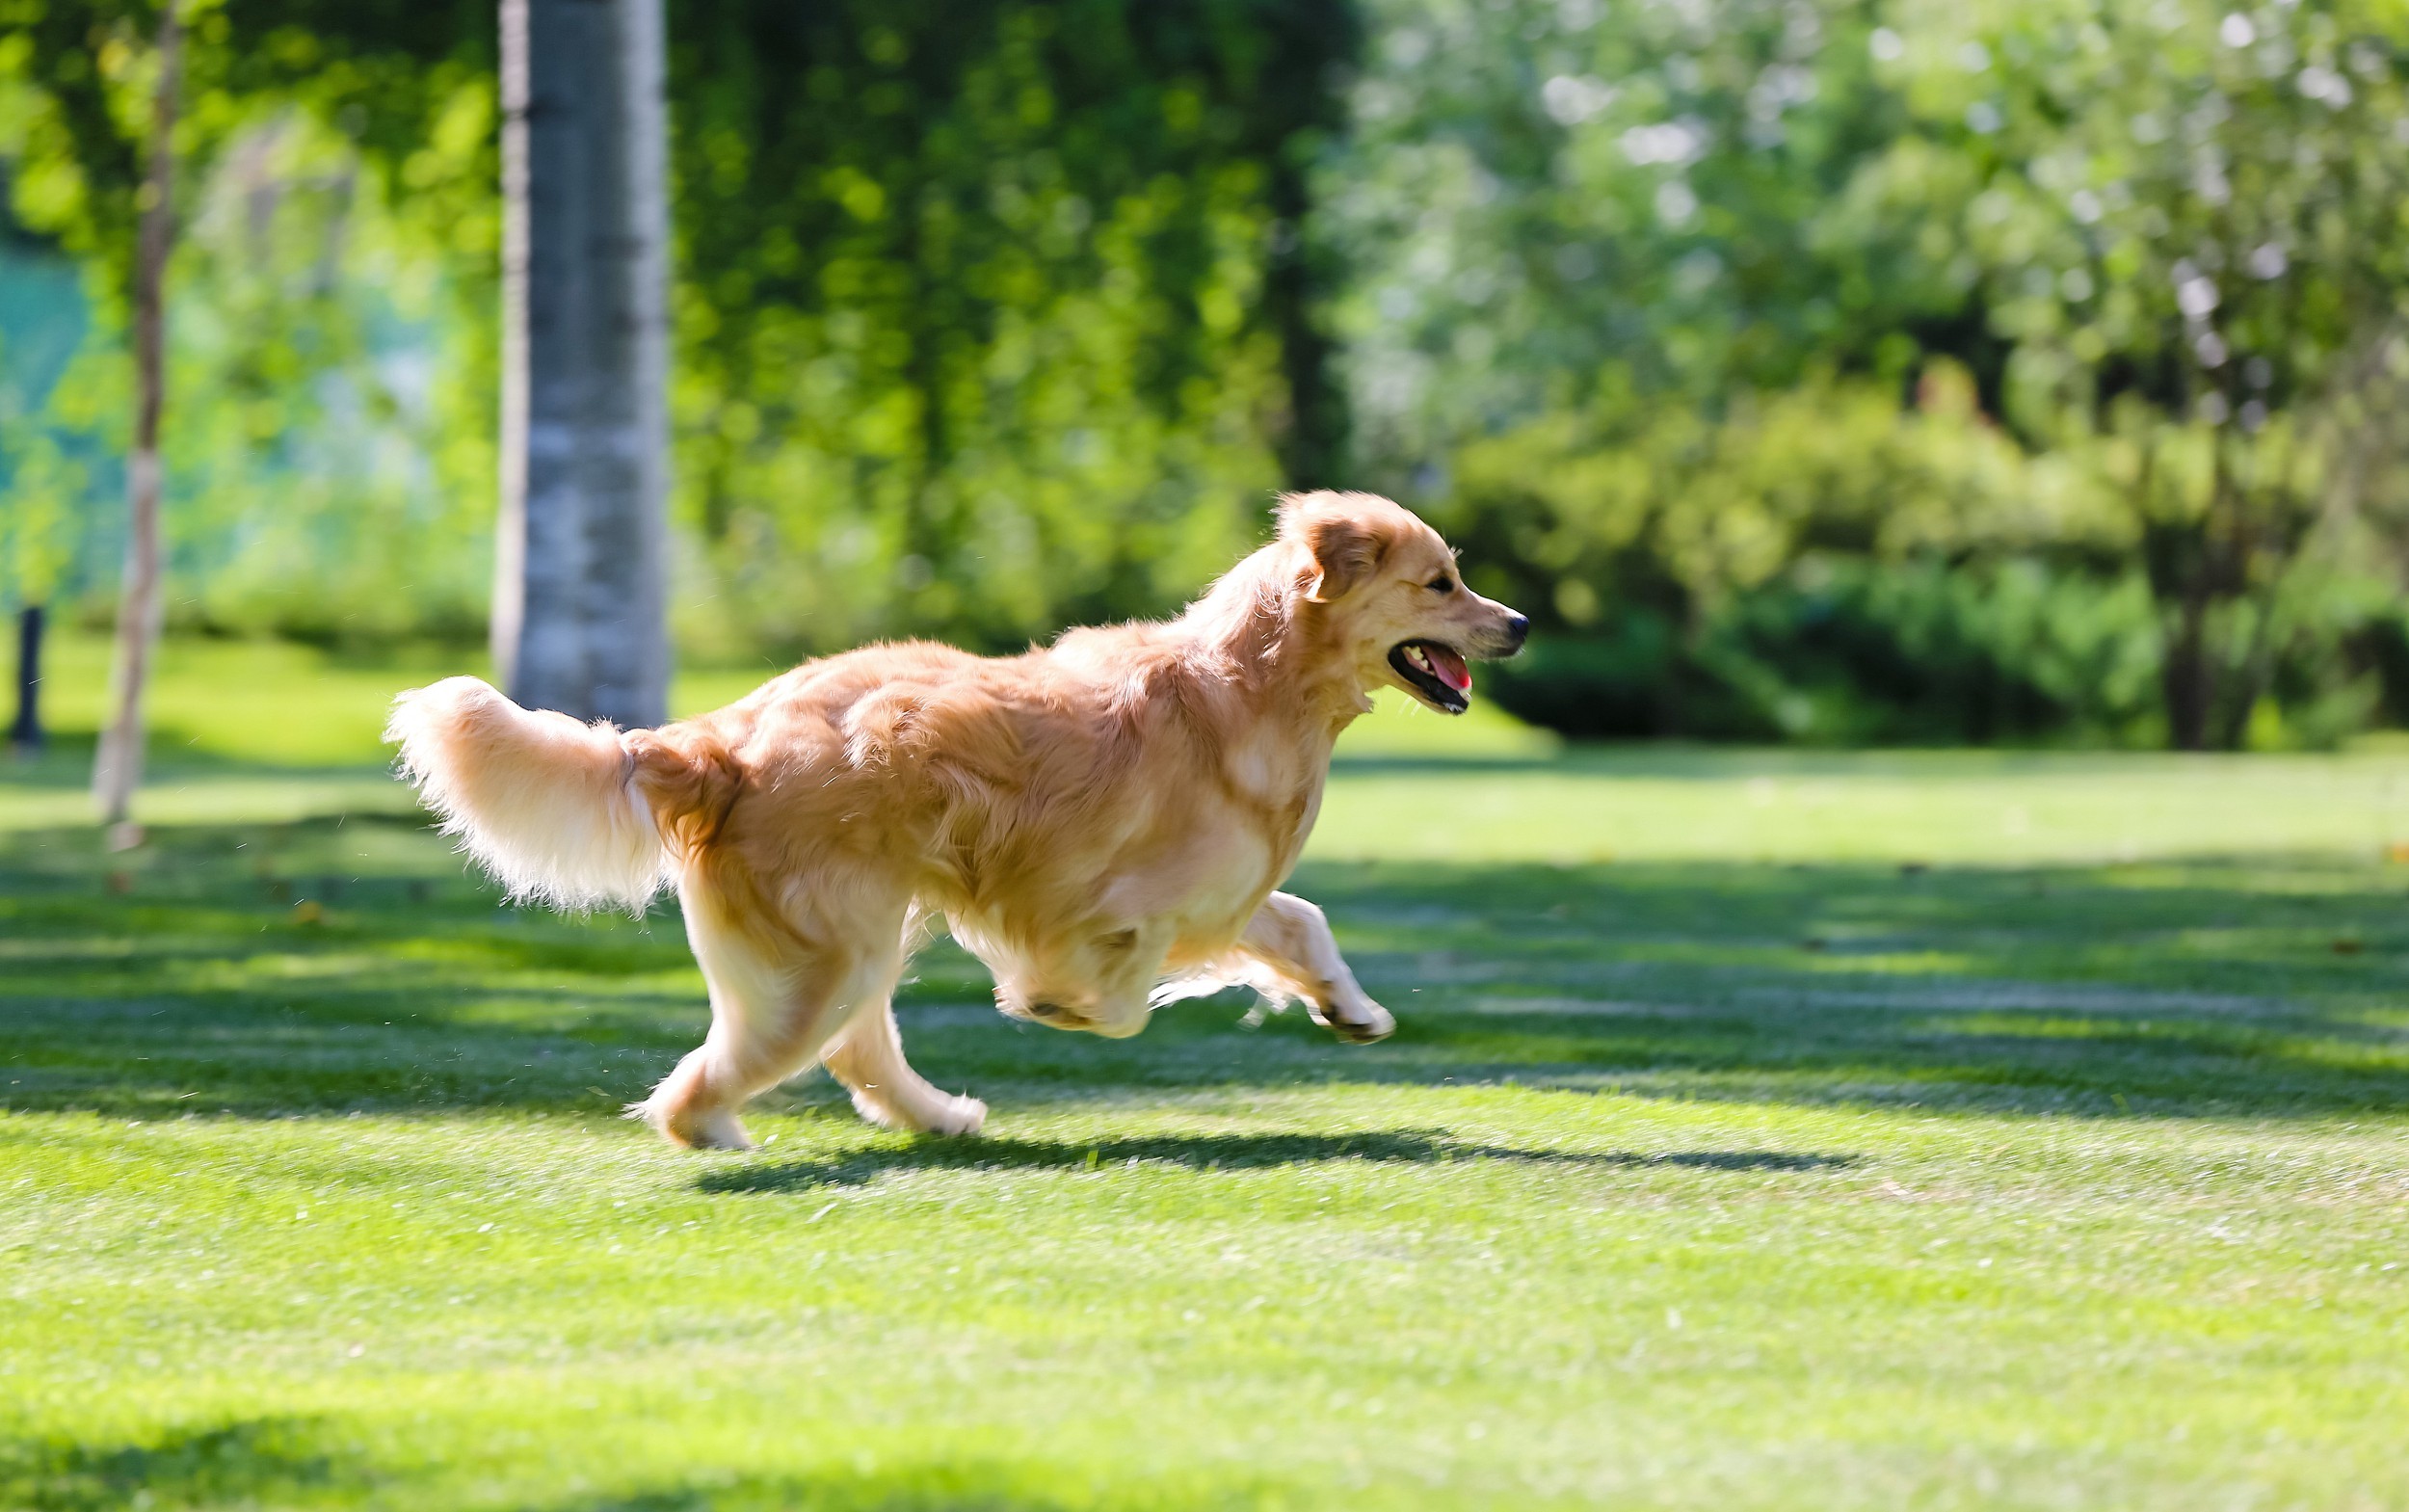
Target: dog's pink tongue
{"x":1449,"y":666}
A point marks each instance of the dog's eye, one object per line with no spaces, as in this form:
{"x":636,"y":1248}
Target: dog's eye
{"x":1442,"y":584}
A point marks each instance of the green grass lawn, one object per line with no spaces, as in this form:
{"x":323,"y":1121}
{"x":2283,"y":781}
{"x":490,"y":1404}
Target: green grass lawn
{"x":1764,"y":1130}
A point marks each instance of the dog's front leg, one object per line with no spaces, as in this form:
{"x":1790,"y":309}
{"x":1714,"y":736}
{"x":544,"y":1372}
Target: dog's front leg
{"x":1291,"y":936}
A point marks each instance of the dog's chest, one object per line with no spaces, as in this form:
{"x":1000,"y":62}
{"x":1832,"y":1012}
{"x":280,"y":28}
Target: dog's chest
{"x":1276,"y":786}
{"x":1271,"y":772}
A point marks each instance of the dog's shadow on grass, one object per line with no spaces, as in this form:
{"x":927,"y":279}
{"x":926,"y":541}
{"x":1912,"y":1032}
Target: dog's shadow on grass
{"x":1215,"y":1153}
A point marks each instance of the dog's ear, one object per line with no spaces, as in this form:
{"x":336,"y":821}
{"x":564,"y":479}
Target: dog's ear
{"x":1346,"y":551}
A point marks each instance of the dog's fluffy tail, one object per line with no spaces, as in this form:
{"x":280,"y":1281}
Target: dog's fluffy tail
{"x":549,"y":806}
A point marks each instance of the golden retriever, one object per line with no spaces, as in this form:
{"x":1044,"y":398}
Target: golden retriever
{"x":1103,"y":821}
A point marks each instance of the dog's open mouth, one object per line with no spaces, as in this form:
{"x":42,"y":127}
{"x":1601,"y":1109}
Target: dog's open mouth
{"x":1438,"y":673}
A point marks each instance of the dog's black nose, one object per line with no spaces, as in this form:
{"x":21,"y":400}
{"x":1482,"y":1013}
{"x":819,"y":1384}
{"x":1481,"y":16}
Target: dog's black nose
{"x":1520,"y":627}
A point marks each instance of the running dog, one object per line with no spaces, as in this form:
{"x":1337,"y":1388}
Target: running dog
{"x":1104,"y":822}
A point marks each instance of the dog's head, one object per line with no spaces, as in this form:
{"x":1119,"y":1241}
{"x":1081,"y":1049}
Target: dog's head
{"x":1386,"y":590}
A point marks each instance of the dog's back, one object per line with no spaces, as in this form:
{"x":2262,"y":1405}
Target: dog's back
{"x":988,"y":769}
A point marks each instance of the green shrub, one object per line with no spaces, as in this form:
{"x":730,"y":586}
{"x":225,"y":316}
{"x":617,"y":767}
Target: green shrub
{"x":1847,"y":651}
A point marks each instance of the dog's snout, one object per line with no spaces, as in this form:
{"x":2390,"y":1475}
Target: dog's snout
{"x":1506,"y":635}
{"x":1051,"y":1013}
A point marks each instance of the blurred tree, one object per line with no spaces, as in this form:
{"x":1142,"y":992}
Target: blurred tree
{"x":2191,"y":224}
{"x":994,"y":315}
{"x":988,"y":316}
{"x":2161,"y":241}
{"x":117,"y":769}
{"x":337,"y":166}
{"x":75,"y":48}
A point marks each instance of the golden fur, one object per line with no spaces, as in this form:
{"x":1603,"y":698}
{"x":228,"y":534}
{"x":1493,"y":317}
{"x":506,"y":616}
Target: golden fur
{"x":1103,"y":822}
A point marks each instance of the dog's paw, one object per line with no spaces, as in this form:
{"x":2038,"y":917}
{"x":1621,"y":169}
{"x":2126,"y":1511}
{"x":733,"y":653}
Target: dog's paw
{"x":1362,"y":1025}
{"x":691,"y":1130}
{"x":948,"y":1115}
{"x":706,"y":1132}
{"x":962,"y":1116}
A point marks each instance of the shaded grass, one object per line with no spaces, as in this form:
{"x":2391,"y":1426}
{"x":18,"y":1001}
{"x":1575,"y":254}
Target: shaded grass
{"x":348,"y":966}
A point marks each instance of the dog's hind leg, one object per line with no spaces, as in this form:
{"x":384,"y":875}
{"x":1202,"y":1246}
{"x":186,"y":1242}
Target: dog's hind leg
{"x":869,"y":1060}
{"x":780,"y":993}
{"x":1291,"y":936}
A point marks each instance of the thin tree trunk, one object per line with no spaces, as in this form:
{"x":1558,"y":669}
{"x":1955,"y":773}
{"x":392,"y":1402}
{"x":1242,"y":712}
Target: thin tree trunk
{"x":924,"y":534}
{"x":2180,"y":558}
{"x":26,"y":733}
{"x":1312,"y":440}
{"x":118,"y":770}
{"x":581,"y":591}
{"x":2186,"y":674}
{"x":2225,"y":575}
{"x":2256,"y":670}
{"x":2278,"y":541}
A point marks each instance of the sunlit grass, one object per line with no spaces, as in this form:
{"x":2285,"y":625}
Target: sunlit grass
{"x":1762,"y":1131}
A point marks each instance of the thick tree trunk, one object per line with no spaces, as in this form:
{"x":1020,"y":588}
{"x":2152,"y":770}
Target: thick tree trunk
{"x":118,"y":770}
{"x":25,"y":734}
{"x":581,"y":591}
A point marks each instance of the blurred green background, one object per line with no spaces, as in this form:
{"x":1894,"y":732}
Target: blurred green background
{"x":1935,"y":1128}
{"x":1840,"y":373}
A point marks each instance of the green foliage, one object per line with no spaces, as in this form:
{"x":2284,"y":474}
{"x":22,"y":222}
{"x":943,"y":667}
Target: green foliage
{"x":1637,"y":499}
{"x":1841,"y":651}
{"x":330,"y":460}
{"x":1611,"y":250}
{"x":1819,"y":563}
{"x":988,"y":317}
{"x":978,"y":324}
